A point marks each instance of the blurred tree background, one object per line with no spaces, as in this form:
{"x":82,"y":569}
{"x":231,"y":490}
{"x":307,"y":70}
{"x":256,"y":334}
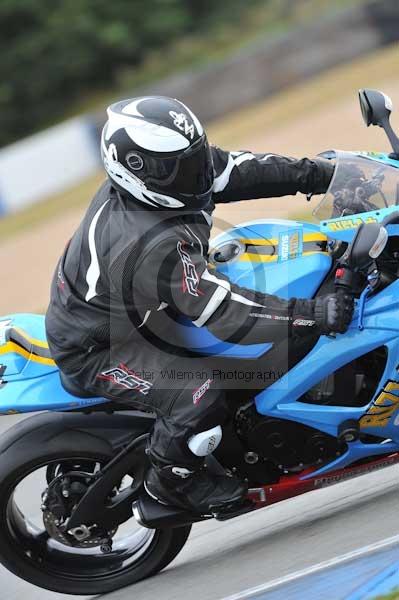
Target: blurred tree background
{"x":54,"y":53}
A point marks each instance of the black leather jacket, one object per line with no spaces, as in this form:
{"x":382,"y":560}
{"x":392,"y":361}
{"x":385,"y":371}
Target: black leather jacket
{"x":126,"y":263}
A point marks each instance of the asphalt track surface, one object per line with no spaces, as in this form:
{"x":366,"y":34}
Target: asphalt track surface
{"x":221,"y":559}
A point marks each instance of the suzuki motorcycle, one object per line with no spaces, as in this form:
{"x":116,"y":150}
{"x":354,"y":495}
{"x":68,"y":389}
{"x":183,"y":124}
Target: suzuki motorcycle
{"x":74,"y":514}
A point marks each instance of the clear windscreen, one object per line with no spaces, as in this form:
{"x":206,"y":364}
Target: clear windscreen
{"x":360,"y":184}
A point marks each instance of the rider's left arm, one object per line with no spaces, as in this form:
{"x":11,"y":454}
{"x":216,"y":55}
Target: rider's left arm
{"x":244,"y":175}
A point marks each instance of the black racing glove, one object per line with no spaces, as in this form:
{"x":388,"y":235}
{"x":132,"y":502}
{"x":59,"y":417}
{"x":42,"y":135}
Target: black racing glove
{"x":327,"y":314}
{"x":333,"y":313}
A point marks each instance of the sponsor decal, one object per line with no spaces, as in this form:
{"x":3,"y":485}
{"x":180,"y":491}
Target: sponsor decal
{"x":372,"y":154}
{"x":4,"y":325}
{"x":383,"y":408}
{"x":212,"y":444}
{"x":190,"y":275}
{"x":181,"y":122}
{"x":332,"y":479}
{"x":290,"y":245}
{"x":126,"y":378}
{"x":199,"y":392}
{"x":303,"y":323}
{"x":343,"y":224}
{"x":258,"y":315}
{"x":83,"y":402}
{"x":60,"y":278}
{"x":3,"y":369}
{"x":134,"y":161}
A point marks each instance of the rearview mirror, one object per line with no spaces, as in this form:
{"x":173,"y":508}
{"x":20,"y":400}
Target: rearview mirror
{"x":367,"y":245}
{"x":376,"y":110}
{"x":376,"y":107}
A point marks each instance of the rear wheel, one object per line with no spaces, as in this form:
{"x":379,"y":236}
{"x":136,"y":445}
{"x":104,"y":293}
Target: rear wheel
{"x":30,"y":550}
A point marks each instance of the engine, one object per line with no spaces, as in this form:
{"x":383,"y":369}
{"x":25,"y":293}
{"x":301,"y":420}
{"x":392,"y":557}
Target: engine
{"x":290,"y":446}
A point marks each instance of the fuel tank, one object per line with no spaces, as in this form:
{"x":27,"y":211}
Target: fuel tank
{"x":286,"y":258}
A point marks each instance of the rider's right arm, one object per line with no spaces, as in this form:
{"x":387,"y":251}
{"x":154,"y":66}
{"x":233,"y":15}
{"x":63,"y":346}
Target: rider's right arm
{"x":177,"y":274}
{"x":245,"y":175}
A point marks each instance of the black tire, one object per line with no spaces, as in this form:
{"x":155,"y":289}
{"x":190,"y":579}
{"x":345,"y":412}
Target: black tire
{"x":26,"y":556}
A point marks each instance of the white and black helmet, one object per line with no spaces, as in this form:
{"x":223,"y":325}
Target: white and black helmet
{"x":156,"y":149}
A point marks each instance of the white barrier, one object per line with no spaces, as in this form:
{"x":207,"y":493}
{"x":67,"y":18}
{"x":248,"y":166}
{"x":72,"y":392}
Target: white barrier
{"x":47,"y":163}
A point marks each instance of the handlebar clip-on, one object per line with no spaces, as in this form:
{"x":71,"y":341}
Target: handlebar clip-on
{"x":368,"y":243}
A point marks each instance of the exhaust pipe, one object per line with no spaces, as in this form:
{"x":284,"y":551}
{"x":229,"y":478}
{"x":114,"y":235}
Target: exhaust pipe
{"x":153,"y":515}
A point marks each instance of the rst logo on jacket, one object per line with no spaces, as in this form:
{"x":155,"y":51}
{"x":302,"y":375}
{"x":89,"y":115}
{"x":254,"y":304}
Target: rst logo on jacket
{"x":124,"y":377}
{"x":190,"y":275}
{"x":199,"y":392}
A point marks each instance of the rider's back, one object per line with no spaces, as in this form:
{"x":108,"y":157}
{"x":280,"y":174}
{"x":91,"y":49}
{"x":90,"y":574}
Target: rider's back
{"x":91,"y":299}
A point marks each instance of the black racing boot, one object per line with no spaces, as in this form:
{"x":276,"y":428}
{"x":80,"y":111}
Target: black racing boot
{"x":199,"y":491}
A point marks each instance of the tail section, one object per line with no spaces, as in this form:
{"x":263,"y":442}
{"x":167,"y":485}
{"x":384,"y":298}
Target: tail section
{"x":29,"y":377}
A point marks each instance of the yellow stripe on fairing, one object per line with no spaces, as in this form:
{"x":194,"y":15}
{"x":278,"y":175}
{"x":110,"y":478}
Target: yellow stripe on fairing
{"x":247,"y":257}
{"x":308,"y":237}
{"x":10,"y":347}
{"x":314,"y":237}
{"x":259,"y":242}
{"x":31,"y":340}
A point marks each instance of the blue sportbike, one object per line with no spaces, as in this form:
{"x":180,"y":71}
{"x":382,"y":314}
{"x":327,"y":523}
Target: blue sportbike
{"x":74,"y":515}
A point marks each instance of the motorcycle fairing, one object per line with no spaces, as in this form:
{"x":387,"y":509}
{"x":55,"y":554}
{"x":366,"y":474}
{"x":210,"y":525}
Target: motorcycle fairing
{"x":23,"y":347}
{"x":381,"y":328}
{"x":344,"y":227}
{"x":40,"y":393}
{"x":29,"y":377}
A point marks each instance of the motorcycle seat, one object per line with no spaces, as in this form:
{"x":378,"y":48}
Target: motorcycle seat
{"x":72,"y":388}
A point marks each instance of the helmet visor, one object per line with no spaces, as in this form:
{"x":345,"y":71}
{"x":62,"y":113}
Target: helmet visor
{"x":190,"y":173}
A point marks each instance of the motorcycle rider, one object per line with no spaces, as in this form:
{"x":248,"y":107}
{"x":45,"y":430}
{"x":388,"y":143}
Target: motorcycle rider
{"x":138,"y":261}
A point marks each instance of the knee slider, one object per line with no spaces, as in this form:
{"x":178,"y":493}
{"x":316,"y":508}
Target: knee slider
{"x":206,"y":442}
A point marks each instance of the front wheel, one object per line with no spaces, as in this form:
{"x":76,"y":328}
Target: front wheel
{"x":29,"y":550}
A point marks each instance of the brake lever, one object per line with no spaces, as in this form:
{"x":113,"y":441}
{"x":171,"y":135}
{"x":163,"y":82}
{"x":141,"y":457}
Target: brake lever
{"x":361,"y":305}
{"x":372,"y":279}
